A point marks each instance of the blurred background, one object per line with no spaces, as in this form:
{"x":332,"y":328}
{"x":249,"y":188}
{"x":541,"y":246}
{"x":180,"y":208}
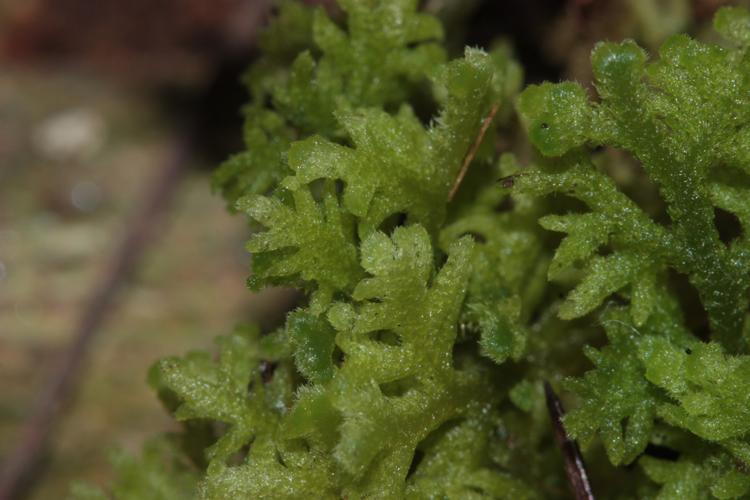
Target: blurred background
{"x":108,"y":105}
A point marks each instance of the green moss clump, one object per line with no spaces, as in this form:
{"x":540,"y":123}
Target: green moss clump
{"x":415,"y":368}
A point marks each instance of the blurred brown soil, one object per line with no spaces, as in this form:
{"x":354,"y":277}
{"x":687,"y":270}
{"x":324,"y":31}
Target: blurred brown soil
{"x":74,"y":160}
{"x":142,"y":40}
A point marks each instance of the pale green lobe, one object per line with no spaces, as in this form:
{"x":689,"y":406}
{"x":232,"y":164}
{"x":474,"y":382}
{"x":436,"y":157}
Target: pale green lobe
{"x":556,"y":116}
{"x":396,"y":165}
{"x":642,"y":109}
{"x":312,"y":339}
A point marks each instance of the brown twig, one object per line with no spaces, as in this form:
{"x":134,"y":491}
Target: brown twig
{"x":473,"y":151}
{"x":575,"y":469}
{"x":35,"y":433}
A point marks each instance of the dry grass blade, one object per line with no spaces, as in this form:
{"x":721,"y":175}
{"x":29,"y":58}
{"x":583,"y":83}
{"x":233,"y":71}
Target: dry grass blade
{"x":473,"y":151}
{"x":575,"y":469}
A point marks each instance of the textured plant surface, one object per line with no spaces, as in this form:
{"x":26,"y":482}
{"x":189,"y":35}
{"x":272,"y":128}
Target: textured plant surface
{"x":415,"y":367}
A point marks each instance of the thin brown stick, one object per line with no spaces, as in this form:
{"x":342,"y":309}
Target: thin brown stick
{"x":575,"y":469}
{"x":473,"y":151}
{"x":21,"y":461}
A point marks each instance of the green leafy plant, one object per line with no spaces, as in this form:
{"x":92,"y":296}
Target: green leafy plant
{"x":696,"y":159}
{"x":415,"y":368}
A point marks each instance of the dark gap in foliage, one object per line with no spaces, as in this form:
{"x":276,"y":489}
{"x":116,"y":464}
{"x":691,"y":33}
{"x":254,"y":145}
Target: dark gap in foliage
{"x":507,"y":205}
{"x":624,"y":426}
{"x":478,"y":237}
{"x":391,"y":108}
{"x":552,"y":240}
{"x":464,"y":352}
{"x":334,"y":11}
{"x":725,"y":174}
{"x":459,"y":348}
{"x":510,"y":139}
{"x":198,"y":435}
{"x":565,"y":204}
{"x":415,"y":461}
{"x":605,"y":250}
{"x":385,"y":337}
{"x":479,"y":176}
{"x":220,"y":428}
{"x":631,"y":178}
{"x":338,"y":356}
{"x":318,"y":188}
{"x":268,"y":101}
{"x":279,"y":458}
{"x":662,"y":452}
{"x":211,"y":111}
{"x":728,"y":225}
{"x":392,"y":222}
{"x":524,"y":22}
{"x":399,"y":387}
{"x":439,"y":433}
{"x":536,"y":313}
{"x":267,"y":369}
{"x":339,"y":296}
{"x":239,"y":457}
{"x":422,"y":103}
{"x":696,"y":318}
{"x":440,"y":259}
{"x":305,"y":444}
